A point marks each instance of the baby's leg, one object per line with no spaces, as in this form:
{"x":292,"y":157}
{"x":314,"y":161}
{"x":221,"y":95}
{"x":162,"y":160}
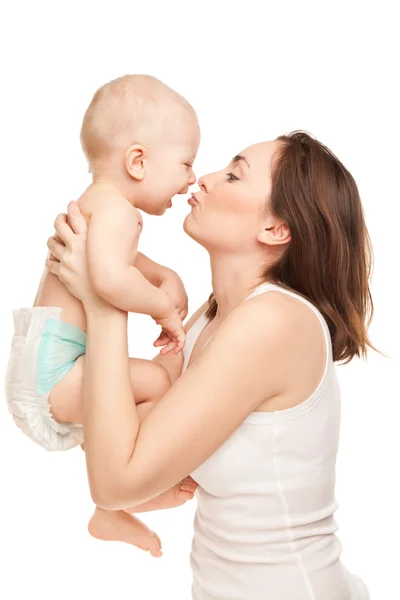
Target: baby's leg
{"x":150,"y":381}
{"x":122,"y":526}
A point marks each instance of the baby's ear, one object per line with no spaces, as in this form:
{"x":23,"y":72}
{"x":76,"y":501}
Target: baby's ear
{"x":135,"y":161}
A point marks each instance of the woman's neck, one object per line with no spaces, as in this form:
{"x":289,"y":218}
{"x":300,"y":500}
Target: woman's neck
{"x":234,"y":278}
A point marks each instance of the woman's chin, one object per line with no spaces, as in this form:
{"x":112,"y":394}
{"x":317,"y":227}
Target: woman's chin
{"x":187,"y":224}
{"x":189,"y":227}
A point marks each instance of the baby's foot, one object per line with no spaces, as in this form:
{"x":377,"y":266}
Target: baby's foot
{"x":119,"y":526}
{"x":176,"y":496}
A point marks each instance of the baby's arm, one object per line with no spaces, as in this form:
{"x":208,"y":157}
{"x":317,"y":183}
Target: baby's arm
{"x":153,"y":272}
{"x":112,"y":238}
{"x":167,"y":280}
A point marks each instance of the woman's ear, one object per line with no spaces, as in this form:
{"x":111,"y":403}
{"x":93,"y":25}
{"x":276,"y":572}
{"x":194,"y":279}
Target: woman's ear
{"x":274,"y":232}
{"x":135,"y":161}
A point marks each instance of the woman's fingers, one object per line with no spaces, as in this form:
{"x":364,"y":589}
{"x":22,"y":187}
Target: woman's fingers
{"x":63,"y":230}
{"x":56,"y":248}
{"x":76,"y":219}
{"x":67,"y":226}
{"x":58,"y":239}
{"x":188,"y":485}
{"x":53,"y":267}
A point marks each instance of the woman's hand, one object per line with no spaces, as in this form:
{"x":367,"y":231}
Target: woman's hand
{"x":69,"y":262}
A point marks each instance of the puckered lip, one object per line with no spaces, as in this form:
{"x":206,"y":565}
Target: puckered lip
{"x":193,"y":198}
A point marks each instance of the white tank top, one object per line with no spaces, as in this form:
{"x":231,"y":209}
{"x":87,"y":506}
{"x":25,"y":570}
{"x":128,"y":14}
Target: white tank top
{"x":264,"y":526}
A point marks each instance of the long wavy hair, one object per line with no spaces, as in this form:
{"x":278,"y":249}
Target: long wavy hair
{"x":329,"y":258}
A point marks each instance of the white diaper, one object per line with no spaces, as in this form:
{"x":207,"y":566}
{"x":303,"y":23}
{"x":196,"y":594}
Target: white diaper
{"x":29,"y":408}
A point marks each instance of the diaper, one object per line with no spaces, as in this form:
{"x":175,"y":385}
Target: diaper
{"x":43,"y":350}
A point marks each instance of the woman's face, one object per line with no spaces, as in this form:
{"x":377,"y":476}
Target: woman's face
{"x":228,"y":212}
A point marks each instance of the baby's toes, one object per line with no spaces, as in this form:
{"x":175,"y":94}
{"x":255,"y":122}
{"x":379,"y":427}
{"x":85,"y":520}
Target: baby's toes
{"x":154,"y":545}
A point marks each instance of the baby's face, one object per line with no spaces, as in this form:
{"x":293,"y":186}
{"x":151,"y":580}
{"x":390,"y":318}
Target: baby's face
{"x":169,"y":170}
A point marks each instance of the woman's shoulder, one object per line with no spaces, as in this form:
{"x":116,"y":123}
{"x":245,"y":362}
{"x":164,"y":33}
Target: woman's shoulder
{"x":279,"y":317}
{"x":279,"y":341}
{"x":273,"y":309}
{"x":274,"y":305}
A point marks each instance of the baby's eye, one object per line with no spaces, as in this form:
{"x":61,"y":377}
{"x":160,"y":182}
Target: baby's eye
{"x":232,"y":177}
{"x":188,"y":165}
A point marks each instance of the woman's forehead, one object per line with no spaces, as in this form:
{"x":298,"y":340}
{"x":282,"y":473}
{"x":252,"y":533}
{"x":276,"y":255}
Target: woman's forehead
{"x":259,"y":156}
{"x":262,"y":150}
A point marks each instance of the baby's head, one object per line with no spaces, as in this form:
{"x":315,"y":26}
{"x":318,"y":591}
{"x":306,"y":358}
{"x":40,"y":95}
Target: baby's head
{"x":142,"y":135}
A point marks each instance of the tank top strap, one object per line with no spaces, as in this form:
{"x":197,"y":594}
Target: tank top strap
{"x":191,"y":338}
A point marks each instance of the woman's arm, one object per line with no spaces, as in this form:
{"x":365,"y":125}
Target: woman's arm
{"x":248,"y":360}
{"x":102,"y":324}
{"x":130,"y":463}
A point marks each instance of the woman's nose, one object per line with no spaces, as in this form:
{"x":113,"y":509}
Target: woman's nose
{"x":201,"y":182}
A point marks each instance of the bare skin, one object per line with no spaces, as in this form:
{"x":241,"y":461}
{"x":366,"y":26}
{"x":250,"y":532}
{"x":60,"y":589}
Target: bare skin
{"x":262,"y":333}
{"x":266,"y":354}
{"x":121,"y":526}
{"x":153,"y":381}
{"x":150,"y":381}
{"x":123,"y":466}
{"x":141,"y":176}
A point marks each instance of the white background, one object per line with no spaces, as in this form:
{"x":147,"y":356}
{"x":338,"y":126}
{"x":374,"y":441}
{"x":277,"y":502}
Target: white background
{"x":252,"y":70}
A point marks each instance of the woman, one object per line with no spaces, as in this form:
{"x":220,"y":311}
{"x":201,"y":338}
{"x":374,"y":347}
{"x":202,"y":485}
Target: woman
{"x":254,"y":416}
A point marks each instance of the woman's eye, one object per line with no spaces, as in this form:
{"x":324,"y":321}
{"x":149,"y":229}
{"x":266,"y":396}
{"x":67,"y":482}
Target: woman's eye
{"x":232,"y":177}
{"x":189,"y":166}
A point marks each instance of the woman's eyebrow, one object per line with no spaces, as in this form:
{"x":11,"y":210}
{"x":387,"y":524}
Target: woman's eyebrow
{"x":240,"y":157}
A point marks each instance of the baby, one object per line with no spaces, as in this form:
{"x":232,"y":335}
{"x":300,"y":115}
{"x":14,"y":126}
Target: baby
{"x":140,"y":139}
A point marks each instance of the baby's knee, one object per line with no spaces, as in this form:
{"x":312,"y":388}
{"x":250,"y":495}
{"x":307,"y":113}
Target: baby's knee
{"x":161,"y":382}
{"x":158,"y":385}
{"x":150,"y":381}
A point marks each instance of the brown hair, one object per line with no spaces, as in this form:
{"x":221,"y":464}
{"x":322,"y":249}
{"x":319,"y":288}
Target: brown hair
{"x":329,"y":258}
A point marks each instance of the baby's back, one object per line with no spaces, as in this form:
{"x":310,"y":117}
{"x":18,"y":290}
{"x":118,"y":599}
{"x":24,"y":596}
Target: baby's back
{"x":52,"y":292}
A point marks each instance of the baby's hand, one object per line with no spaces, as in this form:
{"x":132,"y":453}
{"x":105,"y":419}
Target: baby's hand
{"x":172,"y":336}
{"x":173,"y":286}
